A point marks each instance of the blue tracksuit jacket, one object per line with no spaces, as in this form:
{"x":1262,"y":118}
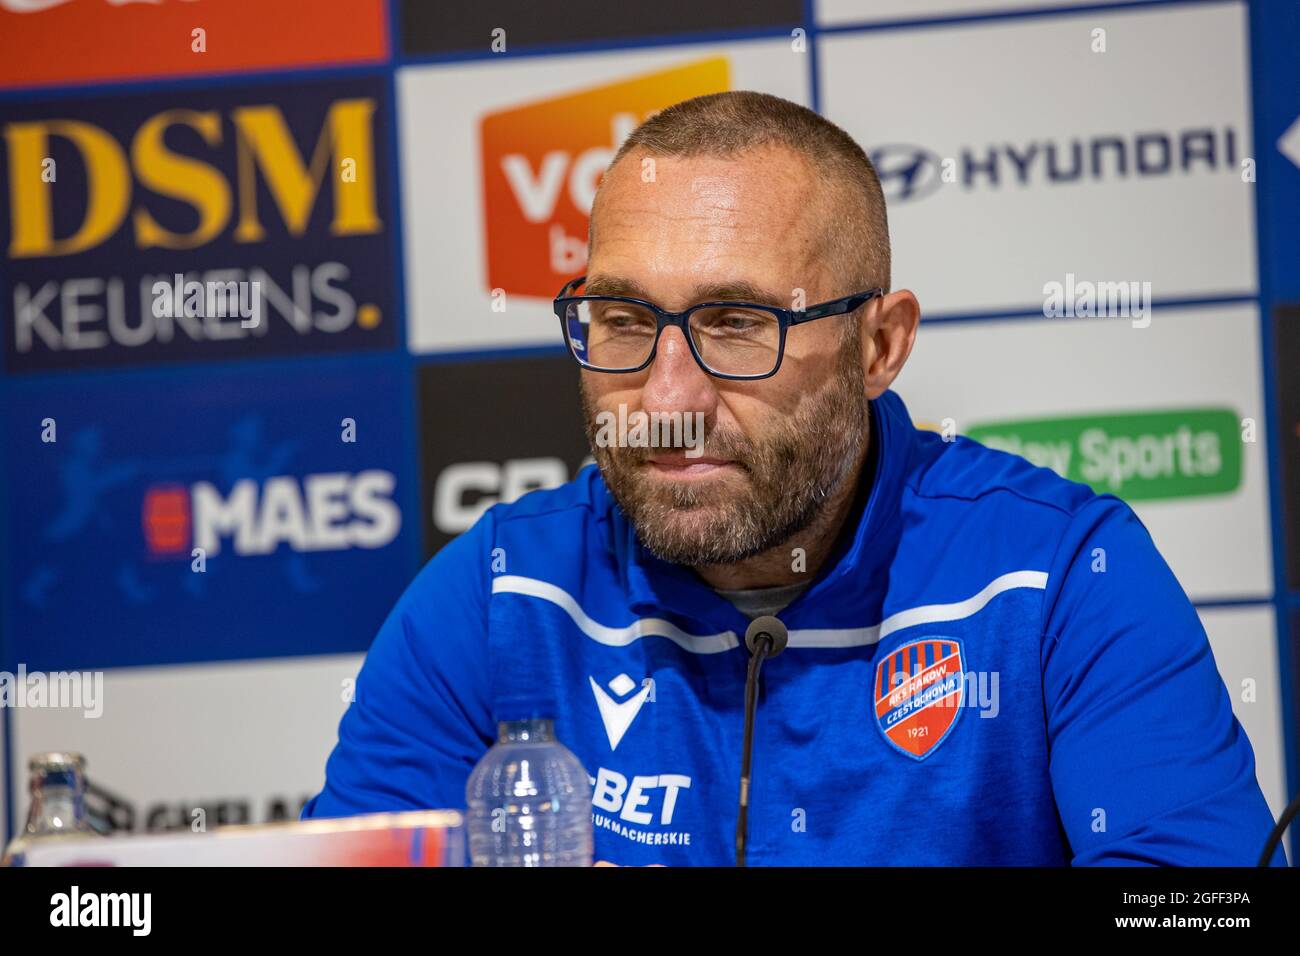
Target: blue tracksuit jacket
{"x":995,"y":668}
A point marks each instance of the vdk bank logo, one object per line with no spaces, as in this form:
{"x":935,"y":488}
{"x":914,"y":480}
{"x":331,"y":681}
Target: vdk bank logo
{"x":542,"y":163}
{"x":274,"y":189}
{"x":1137,"y":456}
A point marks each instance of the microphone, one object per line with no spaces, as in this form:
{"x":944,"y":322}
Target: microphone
{"x":765,"y":637}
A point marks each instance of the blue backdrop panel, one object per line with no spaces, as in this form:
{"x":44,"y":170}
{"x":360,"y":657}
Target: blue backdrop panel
{"x":277,"y":184}
{"x":249,"y":464}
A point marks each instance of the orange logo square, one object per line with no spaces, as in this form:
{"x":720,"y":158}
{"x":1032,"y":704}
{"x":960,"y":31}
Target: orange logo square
{"x":543,"y":161}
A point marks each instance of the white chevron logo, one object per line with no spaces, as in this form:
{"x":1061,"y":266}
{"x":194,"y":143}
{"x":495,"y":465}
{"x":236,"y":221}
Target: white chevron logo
{"x":618,"y":717}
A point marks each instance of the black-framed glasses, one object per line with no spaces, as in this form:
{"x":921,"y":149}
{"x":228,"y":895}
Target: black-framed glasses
{"x":734,"y":340}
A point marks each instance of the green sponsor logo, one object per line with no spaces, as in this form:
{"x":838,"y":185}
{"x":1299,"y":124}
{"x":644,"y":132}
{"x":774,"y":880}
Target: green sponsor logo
{"x":1139,"y":456}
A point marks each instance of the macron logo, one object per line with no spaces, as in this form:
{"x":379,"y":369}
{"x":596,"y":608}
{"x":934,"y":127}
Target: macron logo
{"x":618,"y":717}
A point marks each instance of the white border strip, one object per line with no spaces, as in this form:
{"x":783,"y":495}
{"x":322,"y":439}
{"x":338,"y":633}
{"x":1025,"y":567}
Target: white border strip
{"x":810,"y":638}
{"x":614,"y":636}
{"x":935,"y":613}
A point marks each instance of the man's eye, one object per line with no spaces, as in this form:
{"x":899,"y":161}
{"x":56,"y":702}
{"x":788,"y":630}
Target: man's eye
{"x":624,"y":321}
{"x":729,"y":323}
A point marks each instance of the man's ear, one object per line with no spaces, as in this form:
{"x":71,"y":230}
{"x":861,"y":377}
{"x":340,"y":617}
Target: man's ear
{"x":888,"y":332}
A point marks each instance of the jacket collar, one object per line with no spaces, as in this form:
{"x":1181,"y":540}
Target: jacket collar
{"x":849,"y":588}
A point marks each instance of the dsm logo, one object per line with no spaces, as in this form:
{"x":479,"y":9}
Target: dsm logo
{"x":278,"y":192}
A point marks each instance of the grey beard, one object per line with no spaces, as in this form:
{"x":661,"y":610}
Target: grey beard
{"x":792,"y":474}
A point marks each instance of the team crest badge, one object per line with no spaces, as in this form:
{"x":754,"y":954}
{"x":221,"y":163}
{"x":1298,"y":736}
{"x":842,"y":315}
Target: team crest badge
{"x":919,"y":691}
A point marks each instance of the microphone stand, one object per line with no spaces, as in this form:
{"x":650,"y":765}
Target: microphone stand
{"x":765,"y":637}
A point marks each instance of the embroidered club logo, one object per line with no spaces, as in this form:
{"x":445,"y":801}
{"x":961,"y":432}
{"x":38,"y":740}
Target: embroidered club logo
{"x":919,"y":691}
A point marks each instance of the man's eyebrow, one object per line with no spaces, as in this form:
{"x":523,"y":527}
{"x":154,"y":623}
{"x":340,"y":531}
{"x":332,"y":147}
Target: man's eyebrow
{"x":739,"y":290}
{"x":614,"y":285}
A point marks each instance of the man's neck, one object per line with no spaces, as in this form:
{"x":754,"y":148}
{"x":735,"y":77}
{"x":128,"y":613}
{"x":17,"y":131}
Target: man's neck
{"x":783,"y":564}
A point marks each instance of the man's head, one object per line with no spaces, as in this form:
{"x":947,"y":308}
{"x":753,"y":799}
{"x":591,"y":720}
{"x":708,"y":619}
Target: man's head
{"x":745,"y":196}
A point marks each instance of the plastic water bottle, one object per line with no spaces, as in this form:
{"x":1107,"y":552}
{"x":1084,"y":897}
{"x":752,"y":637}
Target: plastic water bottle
{"x":529,"y":798}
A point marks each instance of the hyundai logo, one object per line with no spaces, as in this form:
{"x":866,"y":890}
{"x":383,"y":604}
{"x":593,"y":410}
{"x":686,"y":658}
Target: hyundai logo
{"x":906,"y":172}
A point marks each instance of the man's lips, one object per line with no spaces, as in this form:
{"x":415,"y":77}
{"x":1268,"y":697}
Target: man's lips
{"x":679,"y":466}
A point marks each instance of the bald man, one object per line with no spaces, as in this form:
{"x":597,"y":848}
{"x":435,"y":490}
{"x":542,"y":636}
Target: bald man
{"x":962,"y":684}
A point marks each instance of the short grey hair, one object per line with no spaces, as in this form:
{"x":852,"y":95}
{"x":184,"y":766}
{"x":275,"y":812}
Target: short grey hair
{"x":726,"y":124}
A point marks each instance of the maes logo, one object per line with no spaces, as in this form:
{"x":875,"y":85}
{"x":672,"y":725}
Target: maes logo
{"x":330,"y":512}
{"x":542,"y":163}
{"x":217,"y":189}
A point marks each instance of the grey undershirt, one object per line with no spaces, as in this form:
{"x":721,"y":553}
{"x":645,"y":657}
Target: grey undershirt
{"x":755,"y":602}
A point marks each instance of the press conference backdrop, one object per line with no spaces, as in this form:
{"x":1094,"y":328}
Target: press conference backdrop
{"x":217,"y":515}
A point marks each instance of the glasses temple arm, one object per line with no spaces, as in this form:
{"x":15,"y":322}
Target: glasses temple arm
{"x":842,"y":306}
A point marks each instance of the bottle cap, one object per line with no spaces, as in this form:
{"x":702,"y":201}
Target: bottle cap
{"x":56,"y":760}
{"x":538,"y":705}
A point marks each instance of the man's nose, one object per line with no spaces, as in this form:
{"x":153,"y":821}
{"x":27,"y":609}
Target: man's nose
{"x":675,"y":382}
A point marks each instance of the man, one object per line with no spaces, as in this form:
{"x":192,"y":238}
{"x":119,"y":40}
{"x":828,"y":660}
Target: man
{"x":987,"y":664}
